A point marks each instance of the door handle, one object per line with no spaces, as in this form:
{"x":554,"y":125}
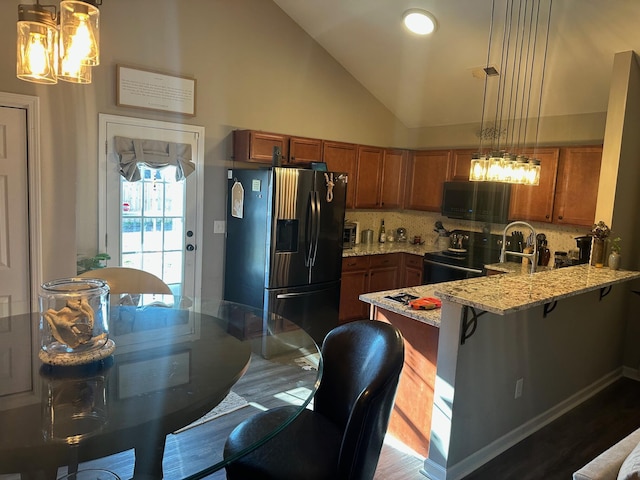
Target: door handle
{"x":190,"y":248}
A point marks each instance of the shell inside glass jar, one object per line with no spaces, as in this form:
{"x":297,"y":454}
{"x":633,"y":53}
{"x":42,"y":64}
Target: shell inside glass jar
{"x":74,"y":316}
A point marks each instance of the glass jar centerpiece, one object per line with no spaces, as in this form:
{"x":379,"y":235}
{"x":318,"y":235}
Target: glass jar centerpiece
{"x":74,"y":321}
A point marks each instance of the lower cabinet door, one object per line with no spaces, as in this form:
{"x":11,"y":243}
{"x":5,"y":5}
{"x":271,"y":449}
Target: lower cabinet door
{"x":353,"y":285}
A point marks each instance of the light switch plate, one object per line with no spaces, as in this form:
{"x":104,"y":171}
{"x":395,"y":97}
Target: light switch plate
{"x":219,"y":226}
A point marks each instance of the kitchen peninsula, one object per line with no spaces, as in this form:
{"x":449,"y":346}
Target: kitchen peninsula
{"x":505,"y":355}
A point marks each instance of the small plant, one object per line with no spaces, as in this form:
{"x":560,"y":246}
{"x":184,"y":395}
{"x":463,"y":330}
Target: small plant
{"x":615,"y":245}
{"x":92,"y":263}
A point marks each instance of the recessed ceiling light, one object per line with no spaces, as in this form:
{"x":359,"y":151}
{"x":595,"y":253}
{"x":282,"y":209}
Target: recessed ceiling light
{"x":419,"y":21}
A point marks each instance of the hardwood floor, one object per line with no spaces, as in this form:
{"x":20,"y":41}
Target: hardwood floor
{"x":571,"y":441}
{"x":553,"y":452}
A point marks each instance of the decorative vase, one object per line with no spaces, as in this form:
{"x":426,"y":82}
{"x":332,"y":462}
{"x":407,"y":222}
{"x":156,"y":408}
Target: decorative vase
{"x":597,"y":252}
{"x":614,"y":261}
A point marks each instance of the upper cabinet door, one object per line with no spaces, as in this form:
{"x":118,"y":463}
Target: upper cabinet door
{"x":535,"y":203}
{"x":253,"y":146}
{"x":303,"y":151}
{"x":577,"y":186}
{"x":394,"y":167}
{"x":427,"y":172}
{"x":461,"y":164}
{"x":368,"y":176}
{"x":343,"y":157}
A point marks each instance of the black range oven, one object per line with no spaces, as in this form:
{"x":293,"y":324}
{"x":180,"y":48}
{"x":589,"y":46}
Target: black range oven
{"x":460,"y":264}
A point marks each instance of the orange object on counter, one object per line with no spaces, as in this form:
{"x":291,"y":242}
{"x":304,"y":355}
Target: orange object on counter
{"x":425,"y":303}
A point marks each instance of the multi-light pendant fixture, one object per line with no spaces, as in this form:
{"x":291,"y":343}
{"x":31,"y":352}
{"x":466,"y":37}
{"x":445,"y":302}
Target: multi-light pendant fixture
{"x":52,"y":47}
{"x":520,"y":73}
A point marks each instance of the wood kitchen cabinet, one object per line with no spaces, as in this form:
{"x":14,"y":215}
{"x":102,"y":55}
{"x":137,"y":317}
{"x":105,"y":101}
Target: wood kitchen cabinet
{"x":380,"y":177}
{"x":394,"y":167}
{"x":535,"y":203}
{"x":364,"y":274}
{"x":368,"y":176}
{"x":426,"y":174}
{"x":568,"y":189}
{"x":355,"y":281}
{"x":384,"y":272}
{"x":255,"y":146}
{"x":303,"y":151}
{"x":343,"y":157}
{"x":461,"y":164}
{"x":411,"y":273}
{"x":577,"y":185}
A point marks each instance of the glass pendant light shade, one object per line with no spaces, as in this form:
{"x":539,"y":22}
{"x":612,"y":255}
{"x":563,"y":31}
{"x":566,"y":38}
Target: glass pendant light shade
{"x":521,"y":170}
{"x":74,"y":72}
{"x":533,"y":174}
{"x":478,"y":171}
{"x":79,"y":33}
{"x":37,"y":45}
{"x":494,"y":168}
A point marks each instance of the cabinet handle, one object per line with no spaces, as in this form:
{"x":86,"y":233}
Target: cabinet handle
{"x":546,"y":216}
{"x":559,"y":217}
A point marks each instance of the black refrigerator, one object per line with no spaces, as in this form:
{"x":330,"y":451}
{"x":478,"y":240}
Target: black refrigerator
{"x":284,"y":244}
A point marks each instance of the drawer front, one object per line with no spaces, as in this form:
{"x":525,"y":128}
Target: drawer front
{"x":385,"y":260}
{"x":355,"y":263}
{"x":413,"y":261}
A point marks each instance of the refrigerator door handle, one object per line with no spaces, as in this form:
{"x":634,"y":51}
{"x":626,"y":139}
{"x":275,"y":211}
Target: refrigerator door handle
{"x":309,"y":231}
{"x":300,"y":294}
{"x":316,"y":233}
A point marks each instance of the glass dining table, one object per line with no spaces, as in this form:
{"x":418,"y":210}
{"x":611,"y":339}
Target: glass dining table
{"x":146,"y":409}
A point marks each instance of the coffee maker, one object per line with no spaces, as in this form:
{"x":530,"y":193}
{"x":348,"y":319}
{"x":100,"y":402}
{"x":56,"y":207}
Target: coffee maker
{"x":584,"y":248}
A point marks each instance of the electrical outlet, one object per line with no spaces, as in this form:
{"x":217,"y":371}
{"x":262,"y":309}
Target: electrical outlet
{"x":519,"y":385}
{"x":219,"y":226}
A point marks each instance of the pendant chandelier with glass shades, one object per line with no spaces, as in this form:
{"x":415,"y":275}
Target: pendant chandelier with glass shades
{"x":512,"y":89}
{"x":54,"y":46}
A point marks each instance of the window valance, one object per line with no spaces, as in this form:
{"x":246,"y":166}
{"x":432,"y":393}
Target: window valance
{"x":154,"y":154}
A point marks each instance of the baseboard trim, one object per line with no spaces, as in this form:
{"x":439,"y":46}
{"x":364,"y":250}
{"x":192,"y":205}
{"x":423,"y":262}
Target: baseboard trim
{"x":433,"y":471}
{"x":495,"y":448}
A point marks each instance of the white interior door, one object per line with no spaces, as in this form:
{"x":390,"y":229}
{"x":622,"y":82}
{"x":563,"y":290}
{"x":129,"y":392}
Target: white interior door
{"x":15,"y":289}
{"x":153,"y":224}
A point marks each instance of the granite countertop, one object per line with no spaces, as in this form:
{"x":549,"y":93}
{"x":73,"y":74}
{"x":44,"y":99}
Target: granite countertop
{"x":512,"y":292}
{"x":361,"y":249}
{"x":515,"y":267}
{"x":379,"y":299}
{"x":504,"y":294}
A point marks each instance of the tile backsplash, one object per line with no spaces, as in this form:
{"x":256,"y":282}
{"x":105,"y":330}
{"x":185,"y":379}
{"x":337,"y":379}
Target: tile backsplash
{"x":422,"y":223}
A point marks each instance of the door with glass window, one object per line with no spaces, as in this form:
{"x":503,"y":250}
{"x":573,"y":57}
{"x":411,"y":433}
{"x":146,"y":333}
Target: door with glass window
{"x":152,"y":208}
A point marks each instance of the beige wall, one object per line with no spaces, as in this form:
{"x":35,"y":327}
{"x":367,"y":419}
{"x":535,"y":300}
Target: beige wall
{"x":586,"y":129}
{"x":255,"y":68}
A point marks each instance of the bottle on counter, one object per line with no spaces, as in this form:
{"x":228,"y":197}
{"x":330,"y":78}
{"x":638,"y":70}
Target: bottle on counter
{"x":544,"y":254}
{"x":382,"y":237}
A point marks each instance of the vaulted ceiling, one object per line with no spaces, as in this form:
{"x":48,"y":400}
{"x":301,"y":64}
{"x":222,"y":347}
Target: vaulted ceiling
{"x":428,"y":81}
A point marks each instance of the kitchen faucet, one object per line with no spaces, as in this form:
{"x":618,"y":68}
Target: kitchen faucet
{"x":531,"y":256}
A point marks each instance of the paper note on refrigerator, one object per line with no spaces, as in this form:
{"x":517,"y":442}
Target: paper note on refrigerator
{"x":237,"y":200}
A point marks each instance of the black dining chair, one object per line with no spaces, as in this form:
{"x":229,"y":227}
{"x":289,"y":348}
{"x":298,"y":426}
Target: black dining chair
{"x":342,"y":436}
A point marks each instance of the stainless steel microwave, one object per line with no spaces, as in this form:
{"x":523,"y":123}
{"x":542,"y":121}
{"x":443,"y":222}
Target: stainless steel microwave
{"x":480,"y":201}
